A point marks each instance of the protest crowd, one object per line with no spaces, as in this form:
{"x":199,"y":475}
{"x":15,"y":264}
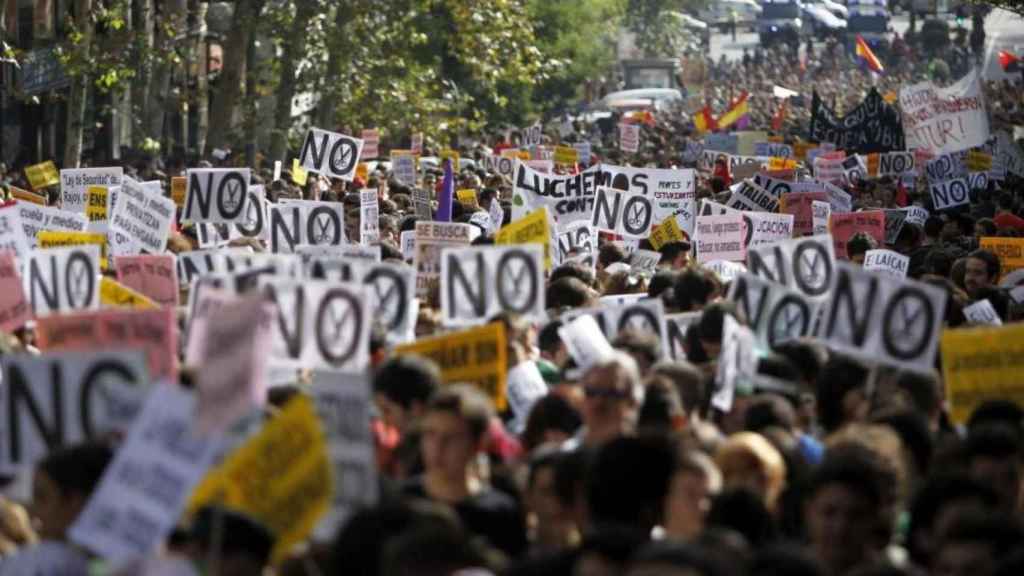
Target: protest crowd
{"x":779,"y":335}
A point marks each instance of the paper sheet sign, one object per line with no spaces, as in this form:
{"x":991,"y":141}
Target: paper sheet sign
{"x":982,"y":313}
{"x":215,"y":195}
{"x":281,"y":477}
{"x":584,"y":341}
{"x":42,"y":175}
{"x":299,"y":174}
{"x":667,"y":231}
{"x":566,"y":155}
{"x":844,"y":226}
{"x":109,"y":526}
{"x":179,"y":187}
{"x":53,"y":239}
{"x":887,"y":262}
{"x":467,"y":196}
{"x":720,"y":237}
{"x":63,"y":279}
{"x":476,"y":356}
{"x":96,"y":207}
{"x":980,"y":364}
{"x":75,"y":185}
{"x":629,"y":138}
{"x":14,"y":308}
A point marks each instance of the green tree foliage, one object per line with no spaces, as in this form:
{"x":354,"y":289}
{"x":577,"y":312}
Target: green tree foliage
{"x":658,"y":30}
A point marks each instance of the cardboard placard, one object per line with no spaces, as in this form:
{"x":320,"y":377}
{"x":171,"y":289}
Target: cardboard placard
{"x":86,"y":395}
{"x":431,"y":238}
{"x":1009,"y":250}
{"x":531,"y":229}
{"x":720,"y":237}
{"x":42,"y":175}
{"x":14,"y":307}
{"x":622,"y":213}
{"x":26,"y":196}
{"x":35,"y":218}
{"x":306,"y":222}
{"x":371,"y":141}
{"x":476,"y":356}
{"x":982,"y":313}
{"x":805,"y":265}
{"x":330,"y":154}
{"x":154,"y":275}
{"x":775,"y":313}
{"x":950,"y":194}
{"x":844,"y":226}
{"x":369,"y":218}
{"x":281,"y":477}
{"x":883,"y":319}
{"x":478,"y":283}
{"x":887,"y":262}
{"x":143,"y":217}
{"x":667,"y":231}
{"x":980,"y":364}
{"x":945,"y":119}
{"x":216,"y":195}
{"x":59,"y":280}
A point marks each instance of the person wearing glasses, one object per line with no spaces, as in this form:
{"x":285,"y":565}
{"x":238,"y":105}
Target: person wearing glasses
{"x":613,"y":393}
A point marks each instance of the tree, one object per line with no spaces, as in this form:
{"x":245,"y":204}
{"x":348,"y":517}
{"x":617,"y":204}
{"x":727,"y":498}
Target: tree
{"x":658,"y":31}
{"x":82,"y":39}
{"x":170,"y":25}
{"x":229,"y":86}
{"x":307,"y":15}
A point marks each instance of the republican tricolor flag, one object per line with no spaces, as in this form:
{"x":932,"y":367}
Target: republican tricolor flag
{"x":1007,"y":59}
{"x":867,"y":57}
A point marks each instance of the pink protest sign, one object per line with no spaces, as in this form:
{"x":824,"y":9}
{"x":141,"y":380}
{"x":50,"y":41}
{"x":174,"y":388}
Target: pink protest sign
{"x":844,"y":226}
{"x":154,"y":275}
{"x":14,"y":308}
{"x":232,"y":360}
{"x":153,"y":331}
{"x":800,"y":205}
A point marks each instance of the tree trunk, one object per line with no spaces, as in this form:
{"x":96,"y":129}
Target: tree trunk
{"x":337,"y":53}
{"x":79,"y":89}
{"x":229,"y":89}
{"x":170,"y":24}
{"x":294,"y":48}
{"x":142,"y":21}
{"x":202,"y":95}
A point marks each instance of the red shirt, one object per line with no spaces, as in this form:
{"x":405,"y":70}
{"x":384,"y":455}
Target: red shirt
{"x":1007,"y":220}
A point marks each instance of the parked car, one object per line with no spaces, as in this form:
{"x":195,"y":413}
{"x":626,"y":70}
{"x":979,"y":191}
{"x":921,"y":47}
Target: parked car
{"x":780,"y":22}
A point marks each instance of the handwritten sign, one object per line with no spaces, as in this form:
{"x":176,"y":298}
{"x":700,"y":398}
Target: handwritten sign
{"x":844,"y":226}
{"x":980,"y":364}
{"x":720,"y":237}
{"x":14,"y":308}
{"x":154,"y":275}
{"x":75,"y":185}
{"x":42,"y":175}
{"x":114,"y":295}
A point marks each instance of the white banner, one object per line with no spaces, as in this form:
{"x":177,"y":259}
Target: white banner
{"x":331,"y":154}
{"x":480,"y":282}
{"x":216,"y":195}
{"x":945,"y":120}
{"x":624,"y":213}
{"x":306,"y":222}
{"x":75,"y":183}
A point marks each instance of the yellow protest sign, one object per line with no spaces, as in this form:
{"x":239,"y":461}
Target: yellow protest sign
{"x":26,"y":196}
{"x":363,"y":171}
{"x":178,"y":187}
{"x":523,"y":155}
{"x":1009,"y":250}
{"x":776,"y":139}
{"x":980,"y":364}
{"x":299,"y":173}
{"x":42,"y":175}
{"x":800,"y":149}
{"x":873,"y":160}
{"x":667,"y":231}
{"x":777,"y":163}
{"x":978,"y":161}
{"x":96,"y":207}
{"x":281,"y":477}
{"x":116,"y":295}
{"x":530,"y":229}
{"x":477,"y":356}
{"x":566,"y":155}
{"x":449,"y":154}
{"x":60,"y":239}
{"x":890,"y":97}
{"x":467,"y":196}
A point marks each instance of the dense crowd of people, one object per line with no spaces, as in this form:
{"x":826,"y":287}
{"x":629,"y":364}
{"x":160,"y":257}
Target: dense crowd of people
{"x":824,"y":465}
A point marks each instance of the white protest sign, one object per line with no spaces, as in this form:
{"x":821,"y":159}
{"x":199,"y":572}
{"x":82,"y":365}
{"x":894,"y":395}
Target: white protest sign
{"x":421,"y":202}
{"x":748,"y":196}
{"x":720,"y":237}
{"x":582,"y":152}
{"x":982,"y":313}
{"x":408,"y":241}
{"x":75,"y":183}
{"x":585,"y":341}
{"x":945,"y":119}
{"x":646,"y":316}
{"x":306,"y":222}
{"x":623,"y":213}
{"x":828,"y":170}
{"x":216,"y":195}
{"x":145,"y":218}
{"x":320,"y":325}
{"x":343,"y":404}
{"x":331,"y":154}
{"x":887,"y":262}
{"x":143,"y":490}
{"x":946,"y":167}
{"x":532,"y":135}
{"x":895,"y":163}
{"x":805,"y":265}
{"x":763,"y":228}
{"x":776,"y":314}
{"x":62,"y":398}
{"x":431,"y":238}
{"x":480,"y":282}
{"x":568,"y":197}
{"x":497,"y":216}
{"x":404,"y":168}
{"x":672,"y":191}
{"x":883,"y":319}
{"x":391,"y":289}
{"x":503,"y":165}
{"x":576,"y":238}
{"x":63,"y":279}
{"x":821,"y":212}
{"x":894,"y":220}
{"x":773,"y":149}
{"x":629,"y":138}
{"x":916,"y":215}
{"x":1008,"y":154}
{"x":737,"y":361}
{"x":676,"y":326}
{"x":725,"y":270}
{"x":36,"y":218}
{"x":12,"y":234}
{"x":196,"y":263}
{"x":369,"y":219}
{"x":645,"y":261}
{"x":256,"y":223}
{"x":950,"y":194}
{"x":525,"y":385}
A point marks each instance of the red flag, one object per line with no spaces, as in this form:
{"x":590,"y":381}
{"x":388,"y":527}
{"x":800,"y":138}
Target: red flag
{"x":1006,"y":59}
{"x":780,"y":116}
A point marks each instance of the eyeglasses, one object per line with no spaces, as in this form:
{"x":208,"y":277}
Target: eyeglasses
{"x":602,"y":392}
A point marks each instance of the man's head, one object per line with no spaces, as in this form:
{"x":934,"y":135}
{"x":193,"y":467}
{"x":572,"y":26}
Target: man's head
{"x":675,"y":255}
{"x":454,"y":431}
{"x":858,"y":246}
{"x":402,"y":386}
{"x":981,"y":270}
{"x":63,"y":482}
{"x":613,"y":394}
